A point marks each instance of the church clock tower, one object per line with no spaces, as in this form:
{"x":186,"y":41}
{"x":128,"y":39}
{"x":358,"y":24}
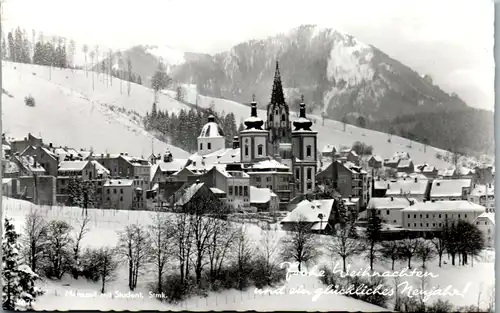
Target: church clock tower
{"x":278,"y":122}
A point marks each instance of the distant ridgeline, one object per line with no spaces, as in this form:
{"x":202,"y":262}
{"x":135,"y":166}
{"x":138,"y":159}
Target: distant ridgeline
{"x":182,"y":130}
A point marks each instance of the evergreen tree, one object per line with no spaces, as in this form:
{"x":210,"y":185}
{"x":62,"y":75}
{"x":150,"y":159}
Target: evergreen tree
{"x":4,"y":48}
{"x":18,"y":279}
{"x":241,"y":127}
{"x":373,"y":235}
{"x":12,"y":48}
{"x":230,"y":129}
{"x":160,"y":80}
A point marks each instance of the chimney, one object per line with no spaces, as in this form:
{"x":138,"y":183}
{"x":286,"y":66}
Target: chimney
{"x":416,"y":179}
{"x":236,"y":142}
{"x":121,"y":153}
{"x":392,"y":198}
{"x":107,"y":155}
{"x":350,"y":197}
{"x":433,"y":200}
{"x":50,"y":145}
{"x":388,"y":186}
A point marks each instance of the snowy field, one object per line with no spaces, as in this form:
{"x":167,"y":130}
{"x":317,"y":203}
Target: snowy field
{"x":333,"y":133}
{"x":105,"y":224}
{"x":68,"y":112}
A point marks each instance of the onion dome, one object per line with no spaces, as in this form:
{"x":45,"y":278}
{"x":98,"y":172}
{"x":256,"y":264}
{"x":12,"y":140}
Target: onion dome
{"x":302,"y":123}
{"x":211,"y":129}
{"x":254,"y":122}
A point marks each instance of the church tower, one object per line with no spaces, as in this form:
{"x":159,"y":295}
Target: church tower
{"x":253,"y":138}
{"x":278,"y":122}
{"x":304,"y":145}
{"x":211,"y":138}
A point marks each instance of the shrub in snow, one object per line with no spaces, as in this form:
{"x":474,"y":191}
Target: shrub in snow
{"x":58,"y":257}
{"x":29,"y":101}
{"x":18,"y":279}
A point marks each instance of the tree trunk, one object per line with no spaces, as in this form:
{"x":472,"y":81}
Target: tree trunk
{"x":409,"y":262}
{"x":160,"y":270}
{"x":393,"y":261}
{"x":453,"y":259}
{"x":343,"y":263}
{"x":300,"y":265}
{"x":130,"y":273}
{"x":440,"y":258}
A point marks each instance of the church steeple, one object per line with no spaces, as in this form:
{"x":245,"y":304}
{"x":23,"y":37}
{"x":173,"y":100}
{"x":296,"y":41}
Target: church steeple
{"x":277,"y":96}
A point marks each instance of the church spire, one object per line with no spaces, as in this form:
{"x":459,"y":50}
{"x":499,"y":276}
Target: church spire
{"x":277,"y":96}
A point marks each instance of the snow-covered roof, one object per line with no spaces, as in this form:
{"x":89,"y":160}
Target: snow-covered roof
{"x":29,"y":163}
{"x":173,"y":166}
{"x":260,"y":195}
{"x":480,"y":190}
{"x":449,"y":187}
{"x":309,"y":211}
{"x":211,"y":130}
{"x":381,"y":184}
{"x":5,"y":147}
{"x":73,"y":166}
{"x":487,"y":215}
{"x":6,"y":180}
{"x":328,"y":148}
{"x":99,"y":168}
{"x":377,"y":158}
{"x":11,"y":167}
{"x":222,"y":156}
{"x":401,"y":155}
{"x":407,"y":186}
{"x":188,"y":193}
{"x":404,"y":163}
{"x":388,"y":203}
{"x":354,"y":168}
{"x":446,"y":205}
{"x":118,"y":182}
{"x":268,"y":164}
{"x":351,"y":201}
{"x":217,"y":190}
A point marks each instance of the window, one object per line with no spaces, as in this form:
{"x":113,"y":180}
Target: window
{"x":439,"y":224}
{"x":433,"y":224}
{"x":408,"y":224}
{"x":260,"y":149}
{"x":201,"y":146}
{"x":414,"y":215}
{"x":121,"y":198}
{"x":230,"y":190}
{"x":121,"y":190}
{"x":209,"y":146}
{"x":114,"y":190}
{"x":269,"y":186}
{"x":309,"y":173}
{"x":240,"y":191}
{"x":414,"y":224}
{"x":245,"y":191}
{"x":420,"y":215}
{"x":297,"y":173}
{"x":426,"y":215}
{"x":439,"y":215}
{"x":283,"y":118}
{"x":465,"y":215}
{"x":246,"y":150}
{"x":268,"y":179}
{"x":257,"y":179}
{"x":408,"y":215}
{"x":388,"y":212}
{"x":107,"y":191}
{"x":427,"y":225}
{"x":420,"y":224}
{"x":308,"y":151}
{"x":446,"y":215}
{"x":309,"y":186}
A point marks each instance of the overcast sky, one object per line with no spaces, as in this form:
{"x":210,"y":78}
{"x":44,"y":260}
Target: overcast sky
{"x":450,"y":39}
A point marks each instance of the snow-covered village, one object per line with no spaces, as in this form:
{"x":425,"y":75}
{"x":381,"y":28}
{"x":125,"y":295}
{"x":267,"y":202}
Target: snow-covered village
{"x":302,"y":169}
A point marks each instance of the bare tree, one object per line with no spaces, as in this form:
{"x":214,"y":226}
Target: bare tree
{"x":409,"y":247}
{"x":220,"y":243}
{"x":119,"y":55}
{"x":92,"y":56}
{"x":268,"y":254}
{"x":161,"y":234}
{"x":182,"y":244}
{"x":106,"y":263}
{"x":425,"y":251}
{"x":343,"y":244}
{"x":81,"y":231}
{"x":111,"y":61}
{"x":85,"y":50}
{"x":439,"y":245}
{"x":299,"y":244}
{"x":244,"y":251}
{"x":133,"y":245}
{"x":391,"y":250}
{"x":129,"y":76}
{"x":58,"y":249}
{"x":35,"y":237}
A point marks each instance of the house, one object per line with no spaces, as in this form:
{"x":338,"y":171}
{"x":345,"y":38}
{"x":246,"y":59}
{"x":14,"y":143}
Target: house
{"x":47,"y":159}
{"x":389,"y":208}
{"x":122,"y":194}
{"x":352,"y":206}
{"x":201,"y":163}
{"x":328,"y":152}
{"x":349,"y":155}
{"x":277,"y":177}
{"x":379,"y":188}
{"x":317,"y":214}
{"x":20,"y":145}
{"x":429,"y":171}
{"x":486,"y":224}
{"x":405,"y":166}
{"x":40,"y":189}
{"x":432,"y":215}
{"x":375,"y":161}
{"x":28,"y":166}
{"x":393,"y":162}
{"x":416,"y":188}
{"x":232,"y":181}
{"x":10,"y":187}
{"x":164,"y":169}
{"x":484,"y":195}
{"x":348,"y":179}
{"x":450,"y":189}
{"x":264,"y":199}
{"x":195,"y":197}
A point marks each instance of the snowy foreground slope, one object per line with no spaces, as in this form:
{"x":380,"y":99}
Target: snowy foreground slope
{"x":333,"y":133}
{"x":105,"y":224}
{"x":68,"y":112}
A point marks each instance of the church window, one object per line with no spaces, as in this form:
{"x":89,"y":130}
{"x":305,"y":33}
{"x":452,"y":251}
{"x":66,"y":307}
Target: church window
{"x":259,"y":149}
{"x":308,"y":150}
{"x":283,"y":133}
{"x":297,"y":173}
{"x":201,"y":146}
{"x":283,"y":117}
{"x":270,"y":117}
{"x":209,"y":146}
{"x":246,"y":150}
{"x":309,"y":173}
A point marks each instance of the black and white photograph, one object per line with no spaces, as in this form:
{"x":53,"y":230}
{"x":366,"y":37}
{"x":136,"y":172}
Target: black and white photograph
{"x":194,"y":155}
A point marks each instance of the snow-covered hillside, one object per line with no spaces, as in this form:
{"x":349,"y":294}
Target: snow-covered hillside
{"x":69,"y":112}
{"x":332,"y":133}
